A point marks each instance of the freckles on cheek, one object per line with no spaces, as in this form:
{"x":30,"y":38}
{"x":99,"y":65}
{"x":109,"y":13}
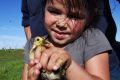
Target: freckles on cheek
{"x":49,"y":19}
{"x":78,"y":27}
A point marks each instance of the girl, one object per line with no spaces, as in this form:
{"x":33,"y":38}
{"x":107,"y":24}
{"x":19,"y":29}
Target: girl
{"x":83,"y":48}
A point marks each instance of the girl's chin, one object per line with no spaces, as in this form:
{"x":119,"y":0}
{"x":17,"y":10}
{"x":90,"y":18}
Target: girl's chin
{"x":59,"y":42}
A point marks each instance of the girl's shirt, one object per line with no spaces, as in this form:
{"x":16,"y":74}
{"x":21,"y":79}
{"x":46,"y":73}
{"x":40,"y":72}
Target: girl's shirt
{"x":92,"y":43}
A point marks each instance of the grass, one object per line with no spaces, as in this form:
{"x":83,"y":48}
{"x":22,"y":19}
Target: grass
{"x":11,"y":62}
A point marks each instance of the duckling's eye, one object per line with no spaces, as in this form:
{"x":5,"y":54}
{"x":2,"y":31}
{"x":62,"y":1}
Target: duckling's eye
{"x":37,"y":39}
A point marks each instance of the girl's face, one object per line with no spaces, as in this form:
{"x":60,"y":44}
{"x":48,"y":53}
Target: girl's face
{"x":63,"y":27}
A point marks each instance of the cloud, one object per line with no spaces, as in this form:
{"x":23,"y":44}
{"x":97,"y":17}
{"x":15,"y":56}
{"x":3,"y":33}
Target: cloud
{"x":12,"y":42}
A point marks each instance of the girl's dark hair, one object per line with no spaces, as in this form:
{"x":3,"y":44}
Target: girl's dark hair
{"x":86,"y":9}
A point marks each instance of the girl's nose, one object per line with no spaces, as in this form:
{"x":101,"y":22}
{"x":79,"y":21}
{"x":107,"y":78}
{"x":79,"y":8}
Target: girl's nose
{"x":62,"y":22}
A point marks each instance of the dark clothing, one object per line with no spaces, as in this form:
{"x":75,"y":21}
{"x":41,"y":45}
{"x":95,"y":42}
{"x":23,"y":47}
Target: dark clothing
{"x":107,"y":24}
{"x":112,"y":29}
{"x":33,"y":11}
{"x":102,"y":23}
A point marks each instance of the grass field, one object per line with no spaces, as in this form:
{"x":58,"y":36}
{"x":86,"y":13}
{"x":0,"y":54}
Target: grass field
{"x":11,"y":62}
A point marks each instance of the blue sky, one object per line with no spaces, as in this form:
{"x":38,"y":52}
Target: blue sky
{"x":12,"y":33}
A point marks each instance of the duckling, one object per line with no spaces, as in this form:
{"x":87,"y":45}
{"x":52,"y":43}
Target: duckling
{"x":45,"y":75}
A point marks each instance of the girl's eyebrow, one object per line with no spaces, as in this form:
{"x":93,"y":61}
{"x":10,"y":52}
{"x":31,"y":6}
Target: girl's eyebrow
{"x":71,"y":13}
{"x":76,"y":15}
{"x":52,"y":8}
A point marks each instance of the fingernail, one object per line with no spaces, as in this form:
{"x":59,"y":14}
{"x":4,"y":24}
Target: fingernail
{"x":55,"y":67}
{"x":31,"y":62}
{"x":38,"y":65}
{"x":36,"y":61}
{"x":37,"y":72}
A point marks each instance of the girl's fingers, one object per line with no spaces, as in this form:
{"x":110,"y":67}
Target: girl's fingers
{"x":31,"y":74}
{"x":45,"y":58}
{"x":34,"y":71}
{"x":51,"y":58}
{"x":48,"y":45}
{"x":36,"y":59}
{"x":38,"y":53}
{"x":59,"y":63}
{"x":52,"y":61}
{"x":64,"y":59}
{"x":37,"y":69}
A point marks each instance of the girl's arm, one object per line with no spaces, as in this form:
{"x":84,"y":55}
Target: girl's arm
{"x":97,"y":68}
{"x":25,"y":72}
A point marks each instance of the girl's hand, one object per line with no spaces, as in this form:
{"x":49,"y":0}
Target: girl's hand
{"x":53,"y":58}
{"x":34,"y":70}
{"x":34,"y":66}
{"x":50,"y":59}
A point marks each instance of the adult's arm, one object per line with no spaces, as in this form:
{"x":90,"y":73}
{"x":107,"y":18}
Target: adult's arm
{"x":25,"y":24}
{"x":25,"y":19}
{"x":27,"y":32}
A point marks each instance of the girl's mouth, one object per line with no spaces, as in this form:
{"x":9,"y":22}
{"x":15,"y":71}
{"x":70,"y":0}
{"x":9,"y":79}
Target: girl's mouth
{"x":60,"y":34}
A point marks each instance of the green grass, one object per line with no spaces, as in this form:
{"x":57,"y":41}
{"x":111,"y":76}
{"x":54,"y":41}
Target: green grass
{"x":11,"y":62}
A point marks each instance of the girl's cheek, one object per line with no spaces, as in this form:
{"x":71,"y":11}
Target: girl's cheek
{"x":78,"y":27}
{"x":49,"y":19}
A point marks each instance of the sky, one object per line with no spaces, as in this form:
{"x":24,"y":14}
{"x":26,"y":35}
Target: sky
{"x":12,"y":33}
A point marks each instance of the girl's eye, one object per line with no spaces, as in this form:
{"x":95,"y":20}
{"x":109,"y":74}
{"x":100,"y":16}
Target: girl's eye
{"x":73,"y":17}
{"x":76,"y":17}
{"x":53,"y":11}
